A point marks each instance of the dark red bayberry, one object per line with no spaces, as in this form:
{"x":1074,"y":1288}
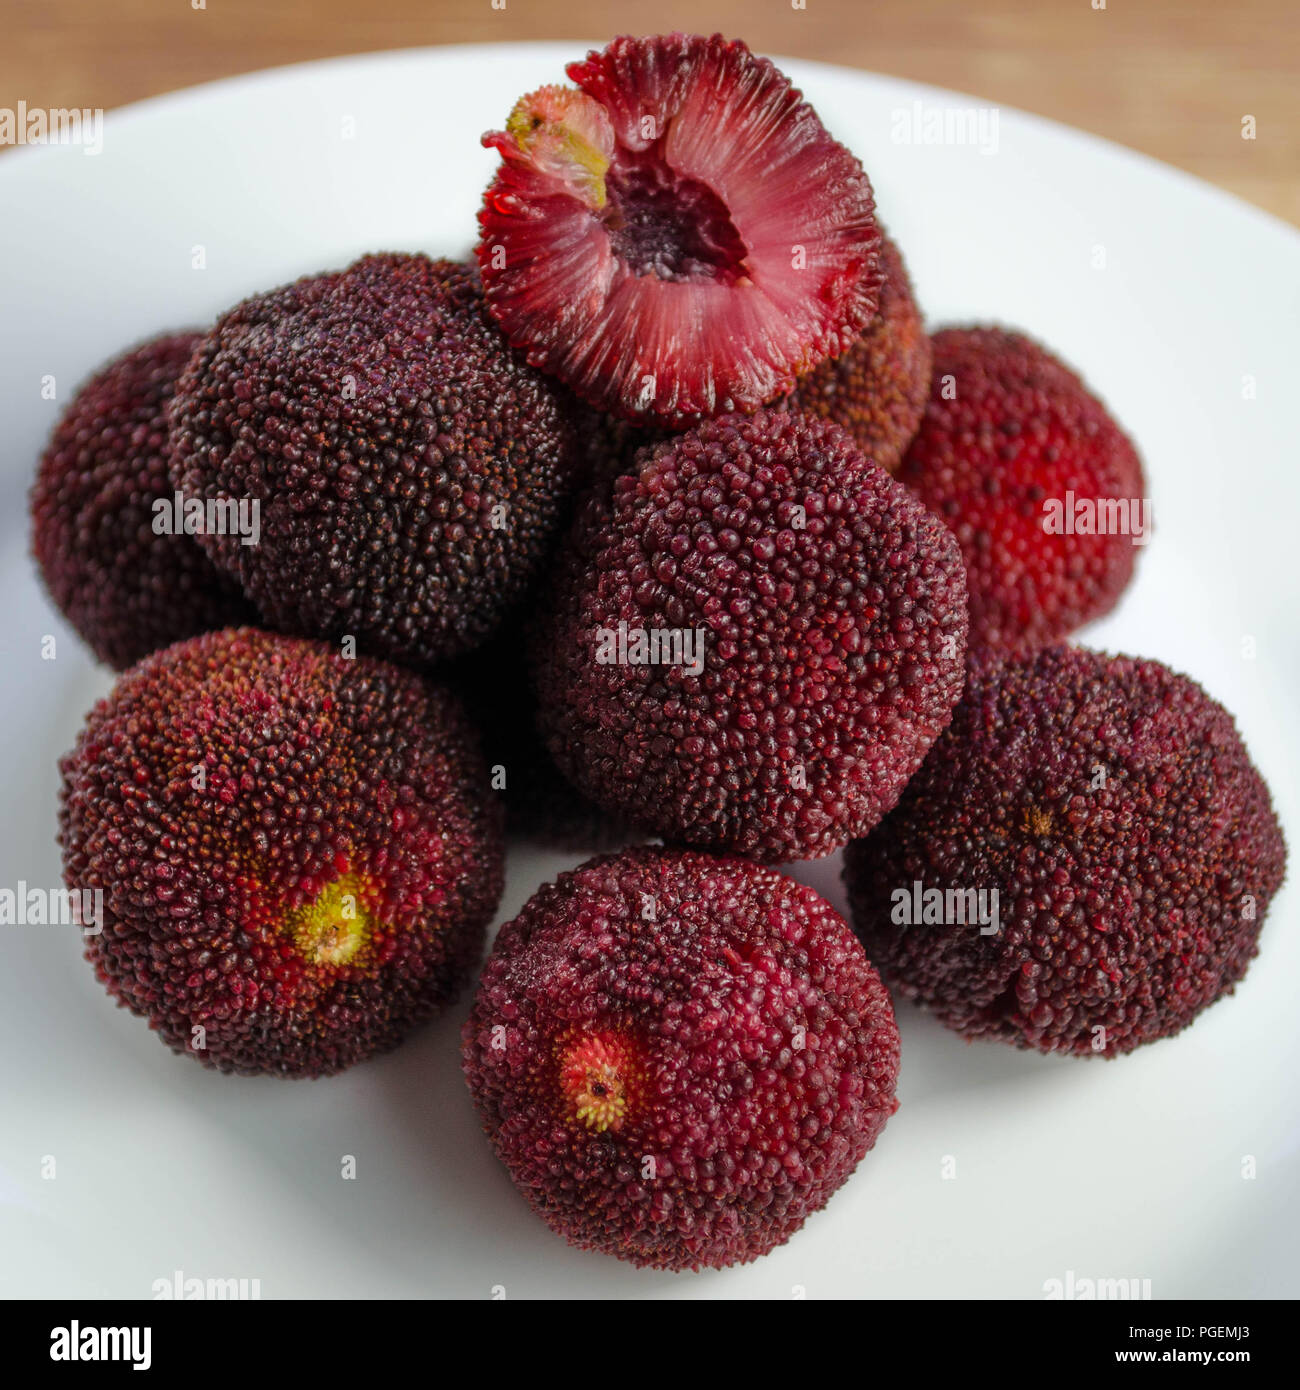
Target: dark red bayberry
{"x":1040,"y":486}
{"x":298,"y":854}
{"x":680,"y":1058}
{"x":120,"y":570}
{"x":411,"y":470}
{"x":753,"y":640}
{"x":1132,"y":846}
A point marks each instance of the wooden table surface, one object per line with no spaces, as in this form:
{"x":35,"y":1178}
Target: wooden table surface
{"x":1174,"y":80}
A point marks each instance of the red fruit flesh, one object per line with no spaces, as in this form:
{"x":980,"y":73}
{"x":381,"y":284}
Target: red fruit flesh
{"x":681,"y":236}
{"x":876,"y":389}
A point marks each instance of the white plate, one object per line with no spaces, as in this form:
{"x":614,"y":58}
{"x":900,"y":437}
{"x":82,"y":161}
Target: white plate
{"x":1131,"y":1168}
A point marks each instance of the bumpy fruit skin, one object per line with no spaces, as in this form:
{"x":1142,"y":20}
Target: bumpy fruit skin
{"x":298,"y":853}
{"x":678,"y":236}
{"x":126,"y":590}
{"x":831,"y":608}
{"x":1113,"y":807}
{"x":541,"y":805}
{"x":1019,"y":434}
{"x":683,"y":1089}
{"x":878,"y":387}
{"x":412,"y":471}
